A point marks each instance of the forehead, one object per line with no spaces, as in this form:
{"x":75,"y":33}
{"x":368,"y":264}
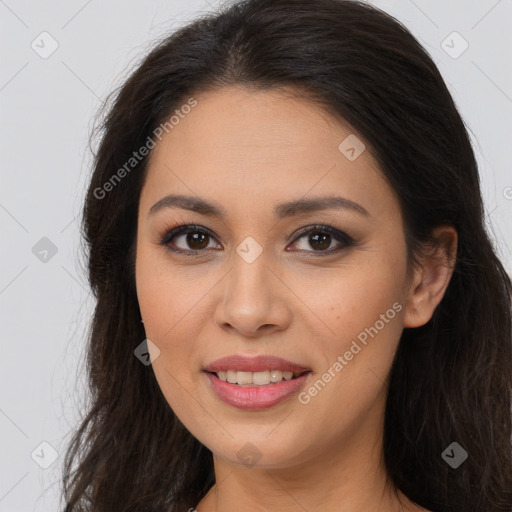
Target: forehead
{"x":243,"y":144}
{"x":240,"y":123}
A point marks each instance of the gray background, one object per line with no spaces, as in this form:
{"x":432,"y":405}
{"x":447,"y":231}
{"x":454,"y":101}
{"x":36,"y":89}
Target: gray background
{"x":47,"y":110}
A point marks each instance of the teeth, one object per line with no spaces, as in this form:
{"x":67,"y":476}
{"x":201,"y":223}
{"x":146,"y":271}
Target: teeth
{"x":276,"y":376}
{"x":255,"y":378}
{"x":258,"y":378}
{"x":243,"y":378}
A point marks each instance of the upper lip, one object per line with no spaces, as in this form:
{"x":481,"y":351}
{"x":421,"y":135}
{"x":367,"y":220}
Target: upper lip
{"x":254,"y":364}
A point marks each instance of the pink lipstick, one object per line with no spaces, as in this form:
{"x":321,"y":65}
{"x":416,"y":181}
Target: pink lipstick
{"x":255,"y":382}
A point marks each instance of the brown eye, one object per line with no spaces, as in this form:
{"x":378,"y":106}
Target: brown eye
{"x":320,"y":239}
{"x":195,"y":239}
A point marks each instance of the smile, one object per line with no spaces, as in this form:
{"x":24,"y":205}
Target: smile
{"x":262,"y":378}
{"x":255,"y":382}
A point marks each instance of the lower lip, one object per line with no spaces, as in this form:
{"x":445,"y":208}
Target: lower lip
{"x":256,"y":397}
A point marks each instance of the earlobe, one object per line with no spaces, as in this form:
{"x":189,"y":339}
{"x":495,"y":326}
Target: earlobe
{"x":431,"y":278}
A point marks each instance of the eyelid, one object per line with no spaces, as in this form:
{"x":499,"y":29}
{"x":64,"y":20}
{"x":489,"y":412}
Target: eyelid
{"x":324,"y":228}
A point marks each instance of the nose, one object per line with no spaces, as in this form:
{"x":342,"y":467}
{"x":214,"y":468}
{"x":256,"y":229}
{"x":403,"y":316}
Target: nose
{"x":255,"y":301}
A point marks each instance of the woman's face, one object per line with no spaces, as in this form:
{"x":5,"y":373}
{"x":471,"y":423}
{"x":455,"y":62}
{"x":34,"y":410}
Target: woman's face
{"x":257,"y":285}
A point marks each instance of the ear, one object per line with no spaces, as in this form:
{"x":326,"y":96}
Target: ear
{"x":431,"y":278}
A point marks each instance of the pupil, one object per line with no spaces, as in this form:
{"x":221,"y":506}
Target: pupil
{"x":325,"y":238}
{"x":193,"y":237}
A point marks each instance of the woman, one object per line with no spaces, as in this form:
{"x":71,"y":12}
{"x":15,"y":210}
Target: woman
{"x":298,"y":305}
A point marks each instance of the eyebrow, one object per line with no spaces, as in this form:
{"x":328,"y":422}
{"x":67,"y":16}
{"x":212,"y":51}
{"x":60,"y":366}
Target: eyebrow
{"x":281,"y":211}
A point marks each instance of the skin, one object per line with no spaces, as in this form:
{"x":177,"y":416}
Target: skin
{"x":248,"y":150}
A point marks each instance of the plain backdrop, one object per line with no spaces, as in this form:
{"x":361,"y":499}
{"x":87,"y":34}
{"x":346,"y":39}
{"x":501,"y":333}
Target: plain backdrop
{"x":47,"y":105}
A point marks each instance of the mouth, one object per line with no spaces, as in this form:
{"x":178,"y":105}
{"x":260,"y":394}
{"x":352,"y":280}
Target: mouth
{"x":255,"y":382}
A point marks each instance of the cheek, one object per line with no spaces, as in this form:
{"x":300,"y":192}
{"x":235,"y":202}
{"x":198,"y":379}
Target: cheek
{"x":353,"y":296}
{"x":167,"y":309}
{"x":172,"y":305}
{"x":360,"y":310}
{"x":169,"y":296}
{"x":355,"y":360}
{"x":171,"y":323}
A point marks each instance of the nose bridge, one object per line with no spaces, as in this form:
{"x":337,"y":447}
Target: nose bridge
{"x":249,"y":277}
{"x":252,"y":296}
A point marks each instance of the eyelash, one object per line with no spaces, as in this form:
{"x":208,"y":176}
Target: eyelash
{"x":338,"y":235}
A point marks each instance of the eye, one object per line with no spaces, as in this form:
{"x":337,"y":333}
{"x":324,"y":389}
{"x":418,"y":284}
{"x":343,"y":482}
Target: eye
{"x":321,"y":237}
{"x":195,"y":239}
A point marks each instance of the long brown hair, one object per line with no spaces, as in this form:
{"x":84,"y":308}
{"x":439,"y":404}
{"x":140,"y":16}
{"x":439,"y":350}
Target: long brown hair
{"x":451,"y":379}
